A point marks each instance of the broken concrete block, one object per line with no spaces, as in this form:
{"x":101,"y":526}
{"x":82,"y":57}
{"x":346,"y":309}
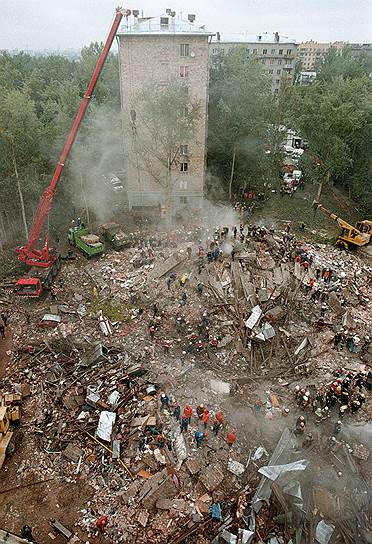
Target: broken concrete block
{"x":159,"y":485}
{"x":61,"y":529}
{"x":211,"y":477}
{"x":334,"y":303}
{"x":73,"y":453}
{"x":275,"y":313}
{"x":193,"y":465}
{"x":143,"y":517}
{"x":222,"y":388}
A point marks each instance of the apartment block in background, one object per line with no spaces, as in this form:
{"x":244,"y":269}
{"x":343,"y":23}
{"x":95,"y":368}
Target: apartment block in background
{"x":276,"y":53}
{"x":159,"y":50}
{"x":312,"y":53}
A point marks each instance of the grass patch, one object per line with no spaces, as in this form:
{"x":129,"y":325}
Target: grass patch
{"x":111,"y":309}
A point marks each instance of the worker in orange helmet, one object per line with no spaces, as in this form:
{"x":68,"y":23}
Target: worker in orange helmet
{"x":231,"y":438}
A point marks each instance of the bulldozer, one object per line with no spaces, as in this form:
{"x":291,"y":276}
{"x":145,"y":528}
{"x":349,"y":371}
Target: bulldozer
{"x":350,"y":237}
{"x":10,"y":415}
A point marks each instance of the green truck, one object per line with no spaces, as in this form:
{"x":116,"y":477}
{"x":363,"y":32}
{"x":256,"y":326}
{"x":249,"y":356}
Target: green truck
{"x":89,"y":244}
{"x":113,"y":234}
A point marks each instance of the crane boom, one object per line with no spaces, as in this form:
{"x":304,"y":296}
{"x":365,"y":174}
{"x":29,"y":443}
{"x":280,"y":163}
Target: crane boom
{"x":28,"y":253}
{"x":340,"y":222}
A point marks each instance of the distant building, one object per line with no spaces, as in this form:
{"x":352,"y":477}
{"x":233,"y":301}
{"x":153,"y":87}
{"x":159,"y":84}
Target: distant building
{"x":159,"y":50}
{"x":276,"y":53}
{"x":361,"y":49}
{"x":312,"y":53}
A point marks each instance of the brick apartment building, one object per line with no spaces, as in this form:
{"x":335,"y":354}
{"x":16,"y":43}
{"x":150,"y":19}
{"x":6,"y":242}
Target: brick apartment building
{"x":277,"y":54}
{"x":159,"y":50}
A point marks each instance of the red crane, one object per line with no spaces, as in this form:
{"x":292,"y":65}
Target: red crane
{"x":45,"y":257}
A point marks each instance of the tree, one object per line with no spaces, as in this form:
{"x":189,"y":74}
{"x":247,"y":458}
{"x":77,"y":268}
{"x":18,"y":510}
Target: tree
{"x":19,"y":133}
{"x":336,"y":118}
{"x":239,"y":112}
{"x":165,"y":118}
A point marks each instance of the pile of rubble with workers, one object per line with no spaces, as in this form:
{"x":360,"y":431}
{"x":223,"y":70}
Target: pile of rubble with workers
{"x":211,"y":385}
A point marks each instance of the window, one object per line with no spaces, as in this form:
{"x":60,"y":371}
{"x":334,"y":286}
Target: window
{"x":184,"y":50}
{"x":183,"y":184}
{"x":164,"y":22}
{"x":184,"y":166}
{"x":263,"y":61}
{"x":183,"y":199}
{"x":289,"y":51}
{"x":185,"y":90}
{"x":184,"y":71}
{"x":273,"y":51}
{"x":277,"y":81}
{"x":271,"y":61}
{"x":255,"y":51}
{"x":248,"y":51}
{"x":184,"y":149}
{"x":264,"y":51}
{"x":289,"y":61}
{"x":271,"y":71}
{"x":278,"y":72}
{"x":280,"y":51}
{"x":276,"y":91}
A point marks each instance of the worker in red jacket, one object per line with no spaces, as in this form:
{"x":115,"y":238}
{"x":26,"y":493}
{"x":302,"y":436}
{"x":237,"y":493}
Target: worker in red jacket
{"x":187,"y":412}
{"x":205,"y":418}
{"x":231,"y":438}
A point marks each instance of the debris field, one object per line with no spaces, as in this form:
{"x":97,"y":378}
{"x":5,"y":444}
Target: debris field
{"x":255,"y":328}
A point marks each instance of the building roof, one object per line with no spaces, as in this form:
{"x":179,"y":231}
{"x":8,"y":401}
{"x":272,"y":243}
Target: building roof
{"x":156,"y":26}
{"x":253,"y":38}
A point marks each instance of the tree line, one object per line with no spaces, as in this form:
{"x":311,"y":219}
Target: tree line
{"x":39,"y":97}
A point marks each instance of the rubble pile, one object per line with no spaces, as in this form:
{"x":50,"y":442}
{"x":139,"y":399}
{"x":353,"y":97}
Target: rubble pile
{"x":246,"y":320}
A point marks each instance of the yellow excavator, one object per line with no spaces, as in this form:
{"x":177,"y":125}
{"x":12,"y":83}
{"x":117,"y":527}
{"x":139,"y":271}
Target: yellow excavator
{"x":350,"y":236}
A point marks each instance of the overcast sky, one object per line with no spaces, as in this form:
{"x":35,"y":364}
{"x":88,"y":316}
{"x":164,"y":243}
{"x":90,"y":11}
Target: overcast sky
{"x":70,"y":24}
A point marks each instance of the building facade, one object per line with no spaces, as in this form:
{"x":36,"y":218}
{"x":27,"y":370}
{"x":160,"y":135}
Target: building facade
{"x":312,"y":53}
{"x":161,"y":50}
{"x":276,"y":54}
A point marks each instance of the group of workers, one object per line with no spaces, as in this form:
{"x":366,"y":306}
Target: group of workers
{"x":202,"y":417}
{"x":346,"y":391}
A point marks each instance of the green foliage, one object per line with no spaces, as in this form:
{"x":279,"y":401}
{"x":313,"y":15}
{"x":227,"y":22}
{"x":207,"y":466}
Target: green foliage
{"x":39,"y":99}
{"x":166,"y":117}
{"x":335,"y":116}
{"x":240,"y":108}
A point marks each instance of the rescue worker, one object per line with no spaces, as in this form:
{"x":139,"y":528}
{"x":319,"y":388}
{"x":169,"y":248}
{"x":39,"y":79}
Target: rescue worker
{"x":200,"y":289}
{"x":199,"y":437}
{"x":26,"y":533}
{"x":231,"y":438}
{"x":164,"y":399}
{"x":187,"y":412}
{"x":300,"y":425}
{"x":184,"y":423}
{"x":338,"y":427}
{"x":205,"y":418}
{"x":189,"y":252}
{"x":200,"y":410}
{"x":177,"y":412}
{"x":308,"y":441}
